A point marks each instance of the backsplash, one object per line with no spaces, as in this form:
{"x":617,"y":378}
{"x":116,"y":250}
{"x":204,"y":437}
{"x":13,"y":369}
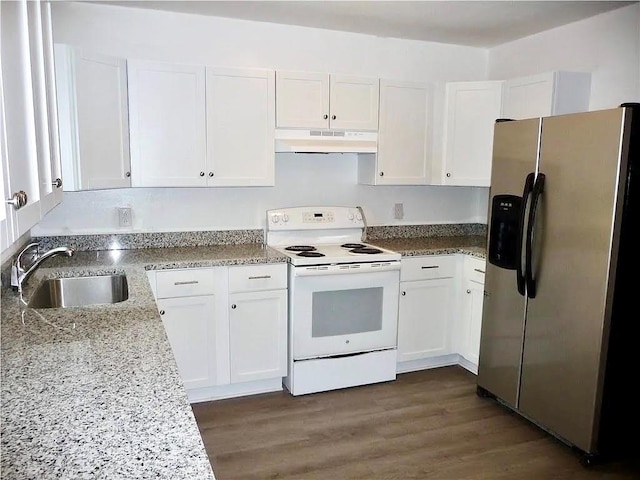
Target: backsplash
{"x":414,"y":231}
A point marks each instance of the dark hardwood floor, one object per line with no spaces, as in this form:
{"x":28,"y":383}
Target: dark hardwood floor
{"x":424,"y":425}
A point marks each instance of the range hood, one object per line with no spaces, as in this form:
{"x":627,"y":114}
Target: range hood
{"x":326,"y":141}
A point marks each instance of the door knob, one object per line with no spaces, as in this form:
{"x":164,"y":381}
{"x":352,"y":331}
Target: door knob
{"x":161,"y":312}
{"x":202,"y":174}
{"x":233,"y":306}
{"x":57,"y":183}
{"x":325,"y":116}
{"x":333,"y":117}
{"x":18,"y":199}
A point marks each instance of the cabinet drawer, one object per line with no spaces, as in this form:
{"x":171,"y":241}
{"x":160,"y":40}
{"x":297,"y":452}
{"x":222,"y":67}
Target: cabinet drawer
{"x":188,"y":282}
{"x":474,"y":269}
{"x":257,"y":277}
{"x":428,"y":267}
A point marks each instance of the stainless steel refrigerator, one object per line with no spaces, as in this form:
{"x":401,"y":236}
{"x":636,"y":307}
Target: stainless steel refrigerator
{"x":560,"y":328}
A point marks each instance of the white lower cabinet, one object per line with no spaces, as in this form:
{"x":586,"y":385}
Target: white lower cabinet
{"x":425,"y":316}
{"x":227,"y":327}
{"x":470,"y":318}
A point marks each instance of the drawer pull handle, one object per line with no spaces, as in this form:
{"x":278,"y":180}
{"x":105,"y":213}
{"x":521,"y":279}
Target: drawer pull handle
{"x":430,"y":266}
{"x":478,"y":270}
{"x":259,"y":277}
{"x":189,"y":282}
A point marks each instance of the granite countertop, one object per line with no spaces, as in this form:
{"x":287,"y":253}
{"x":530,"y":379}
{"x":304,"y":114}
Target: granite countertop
{"x":94,"y":392}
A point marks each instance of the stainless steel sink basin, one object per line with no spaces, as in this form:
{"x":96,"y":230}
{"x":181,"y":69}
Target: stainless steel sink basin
{"x":80,"y":291}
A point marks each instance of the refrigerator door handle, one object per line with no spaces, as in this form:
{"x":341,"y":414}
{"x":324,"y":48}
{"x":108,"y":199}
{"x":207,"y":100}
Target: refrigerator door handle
{"x":520,"y":269}
{"x":538,"y":188}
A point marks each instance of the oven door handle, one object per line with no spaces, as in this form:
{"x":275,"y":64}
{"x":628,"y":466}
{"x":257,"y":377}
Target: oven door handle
{"x":345,"y":269}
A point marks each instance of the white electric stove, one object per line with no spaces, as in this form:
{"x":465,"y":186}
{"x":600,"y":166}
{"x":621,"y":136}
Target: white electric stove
{"x":343,"y":298}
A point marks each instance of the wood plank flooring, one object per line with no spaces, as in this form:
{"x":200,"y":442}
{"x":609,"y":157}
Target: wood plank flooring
{"x":424,"y":425}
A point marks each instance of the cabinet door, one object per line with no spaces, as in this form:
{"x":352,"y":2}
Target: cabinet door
{"x":404,"y":141}
{"x":470,"y":114}
{"x":167,"y":124}
{"x":353,"y":102}
{"x":552,"y":93}
{"x":471,"y":321}
{"x":240,"y":127}
{"x":302,"y":100}
{"x":190,"y":326}
{"x":95,"y":116}
{"x":258,"y":335}
{"x":424,"y":319}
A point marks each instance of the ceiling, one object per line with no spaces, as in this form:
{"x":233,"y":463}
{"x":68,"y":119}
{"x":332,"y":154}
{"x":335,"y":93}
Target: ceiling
{"x":474,"y":23}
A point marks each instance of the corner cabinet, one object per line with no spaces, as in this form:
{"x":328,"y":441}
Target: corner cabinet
{"x":425,"y":316}
{"x":471,"y":300}
{"x":320,"y":100}
{"x":196,"y":126}
{"x":94,"y":119}
{"x":471,"y":109}
{"x":404,"y":137}
{"x":543,"y":95}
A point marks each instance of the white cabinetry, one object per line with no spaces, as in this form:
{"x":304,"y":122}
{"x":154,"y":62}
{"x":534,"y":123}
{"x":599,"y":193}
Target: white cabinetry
{"x":167,"y":124}
{"x":471,"y":299}
{"x":427,"y":286}
{"x":240,"y":127}
{"x":30,"y":154}
{"x":187,"y":301}
{"x":404,"y":137}
{"x":471,"y":110}
{"x":552,"y":93}
{"x":320,"y":100}
{"x":94,"y":119}
{"x":258,"y":322}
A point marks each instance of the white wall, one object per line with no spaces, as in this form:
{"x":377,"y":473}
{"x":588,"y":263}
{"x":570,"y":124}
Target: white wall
{"x":607,"y":45}
{"x":300,"y":180}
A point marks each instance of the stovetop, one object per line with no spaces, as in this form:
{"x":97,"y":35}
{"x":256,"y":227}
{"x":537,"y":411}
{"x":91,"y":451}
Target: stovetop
{"x":350,"y":252}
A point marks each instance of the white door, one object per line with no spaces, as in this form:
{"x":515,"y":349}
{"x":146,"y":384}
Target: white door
{"x":353,"y":102}
{"x":470,"y":114}
{"x":424,"y":319}
{"x":102,"y":121}
{"x":240,"y":127}
{"x":167,"y":124}
{"x":471,"y":321}
{"x":258,"y":335}
{"x":190,"y":326}
{"x":302,"y":100}
{"x":404,"y":141}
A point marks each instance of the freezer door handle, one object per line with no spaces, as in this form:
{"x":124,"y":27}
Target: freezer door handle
{"x":520,"y":268}
{"x":538,"y":188}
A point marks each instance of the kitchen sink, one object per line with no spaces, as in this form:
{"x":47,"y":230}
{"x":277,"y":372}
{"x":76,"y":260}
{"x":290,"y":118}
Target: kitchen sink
{"x":80,"y":291}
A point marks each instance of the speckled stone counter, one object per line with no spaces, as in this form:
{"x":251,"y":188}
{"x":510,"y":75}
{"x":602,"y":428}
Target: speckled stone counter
{"x":474,"y":245}
{"x":94,"y":392}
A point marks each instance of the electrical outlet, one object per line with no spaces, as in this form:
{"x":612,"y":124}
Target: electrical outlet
{"x":124,"y":216}
{"x":398,"y":211}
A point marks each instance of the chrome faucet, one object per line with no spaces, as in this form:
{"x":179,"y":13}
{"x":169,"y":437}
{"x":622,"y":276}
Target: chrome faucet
{"x":20,"y":273}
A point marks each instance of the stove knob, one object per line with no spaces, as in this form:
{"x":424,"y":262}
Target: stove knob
{"x":285,"y":217}
{"x":359,"y":217}
{"x":275,"y":218}
{"x":350,"y":216}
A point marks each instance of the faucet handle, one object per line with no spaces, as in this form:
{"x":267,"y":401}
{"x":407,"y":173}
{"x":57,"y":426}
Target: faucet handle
{"x":25,"y":249}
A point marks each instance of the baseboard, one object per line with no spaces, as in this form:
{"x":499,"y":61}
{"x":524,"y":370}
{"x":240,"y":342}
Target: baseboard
{"x":219,"y":392}
{"x":436,"y":362}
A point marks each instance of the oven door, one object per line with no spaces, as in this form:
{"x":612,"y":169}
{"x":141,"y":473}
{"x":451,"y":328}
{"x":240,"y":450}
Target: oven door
{"x":337,"y":309}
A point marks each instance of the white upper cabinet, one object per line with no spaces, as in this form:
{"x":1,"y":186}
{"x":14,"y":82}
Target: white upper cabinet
{"x":553,"y":93}
{"x":240,"y":127}
{"x":404,"y":137}
{"x":471,"y":109}
{"x":29,"y":153}
{"x":320,"y":100}
{"x":167,"y":121}
{"x":94,"y":119}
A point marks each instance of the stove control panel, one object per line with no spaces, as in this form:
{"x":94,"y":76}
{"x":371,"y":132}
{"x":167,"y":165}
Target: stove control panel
{"x":313,"y":218}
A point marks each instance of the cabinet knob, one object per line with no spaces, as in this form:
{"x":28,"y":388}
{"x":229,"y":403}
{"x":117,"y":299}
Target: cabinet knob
{"x":57,"y":183}
{"x":202,"y":174}
{"x":404,"y":293}
{"x":18,"y":200}
{"x":128,"y":174}
{"x":211,"y":174}
{"x":382,"y":174}
{"x":333,"y":117}
{"x":233,"y":306}
{"x":468,"y":291}
{"x":325,"y":116}
{"x":448,"y":174}
{"x":161,"y":312}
